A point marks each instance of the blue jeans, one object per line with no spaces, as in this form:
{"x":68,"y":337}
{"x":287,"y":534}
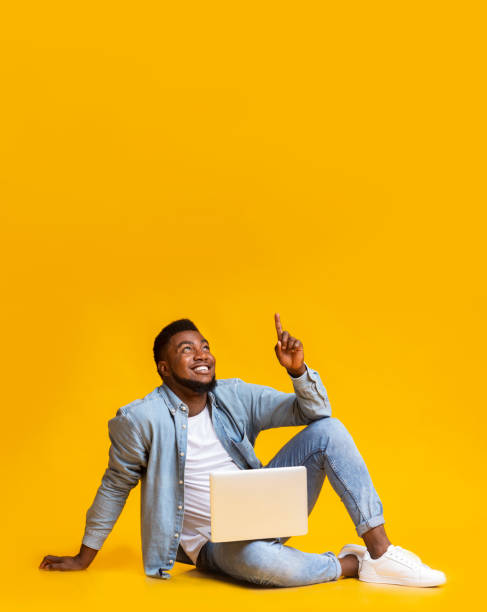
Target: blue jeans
{"x":326,"y":448}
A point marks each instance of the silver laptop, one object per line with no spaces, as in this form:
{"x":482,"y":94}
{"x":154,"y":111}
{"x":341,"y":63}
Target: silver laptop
{"x":258,"y":504}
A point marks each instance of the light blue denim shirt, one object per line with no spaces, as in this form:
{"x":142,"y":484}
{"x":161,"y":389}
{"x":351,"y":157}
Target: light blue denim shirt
{"x":148,"y":443}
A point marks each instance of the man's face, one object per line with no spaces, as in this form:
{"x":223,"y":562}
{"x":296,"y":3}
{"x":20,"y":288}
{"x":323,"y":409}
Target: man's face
{"x":189,"y":362}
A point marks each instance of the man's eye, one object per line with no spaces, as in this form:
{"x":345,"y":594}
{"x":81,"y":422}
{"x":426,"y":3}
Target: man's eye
{"x":186,"y":347}
{"x":207,"y":347}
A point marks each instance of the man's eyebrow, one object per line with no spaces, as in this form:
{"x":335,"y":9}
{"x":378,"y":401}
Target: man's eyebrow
{"x":203,"y":341}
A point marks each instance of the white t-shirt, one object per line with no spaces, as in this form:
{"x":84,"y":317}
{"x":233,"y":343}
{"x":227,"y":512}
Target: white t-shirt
{"x":204,"y":454}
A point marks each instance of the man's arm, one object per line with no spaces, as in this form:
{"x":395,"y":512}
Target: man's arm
{"x":126,"y":465}
{"x":271,"y":408}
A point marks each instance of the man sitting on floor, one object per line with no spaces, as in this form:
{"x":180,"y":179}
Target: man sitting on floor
{"x":192,"y":425}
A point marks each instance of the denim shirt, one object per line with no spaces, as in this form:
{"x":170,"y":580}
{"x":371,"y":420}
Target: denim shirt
{"x":148,"y":443}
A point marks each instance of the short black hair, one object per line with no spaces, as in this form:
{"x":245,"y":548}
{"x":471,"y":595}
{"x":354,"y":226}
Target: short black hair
{"x":167,"y":332}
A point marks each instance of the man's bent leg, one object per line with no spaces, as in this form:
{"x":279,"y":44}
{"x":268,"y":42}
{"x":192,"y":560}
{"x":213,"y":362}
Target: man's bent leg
{"x":326,"y":447}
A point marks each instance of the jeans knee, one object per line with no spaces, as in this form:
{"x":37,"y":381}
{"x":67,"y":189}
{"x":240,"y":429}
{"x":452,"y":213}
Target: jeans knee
{"x":266,"y":564}
{"x":257,"y":564}
{"x":328,"y":426}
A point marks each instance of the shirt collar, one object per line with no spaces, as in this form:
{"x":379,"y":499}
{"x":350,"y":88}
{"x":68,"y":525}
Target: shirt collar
{"x":175,"y":402}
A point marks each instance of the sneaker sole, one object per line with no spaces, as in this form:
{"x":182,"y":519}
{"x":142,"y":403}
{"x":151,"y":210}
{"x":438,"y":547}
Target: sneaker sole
{"x":400,"y":581}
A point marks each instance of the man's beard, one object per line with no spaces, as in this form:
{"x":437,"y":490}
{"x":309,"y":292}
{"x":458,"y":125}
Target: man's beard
{"x":195,"y":385}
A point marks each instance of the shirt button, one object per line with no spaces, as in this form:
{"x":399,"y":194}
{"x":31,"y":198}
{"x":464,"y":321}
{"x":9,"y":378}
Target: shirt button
{"x":184,"y":426}
{"x":176,"y":535}
{"x":182,"y":454}
{"x":180,"y":482}
{"x":180,"y":507}
{"x":171,"y":561}
{"x":183,"y":408}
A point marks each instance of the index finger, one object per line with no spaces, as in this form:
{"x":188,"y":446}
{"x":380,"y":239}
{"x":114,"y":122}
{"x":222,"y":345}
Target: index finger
{"x":277,"y":319}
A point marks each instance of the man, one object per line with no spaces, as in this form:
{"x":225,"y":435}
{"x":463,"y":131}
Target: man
{"x":194,"y":424}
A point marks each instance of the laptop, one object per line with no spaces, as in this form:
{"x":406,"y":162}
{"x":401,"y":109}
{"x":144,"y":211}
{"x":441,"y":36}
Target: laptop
{"x":258,"y":504}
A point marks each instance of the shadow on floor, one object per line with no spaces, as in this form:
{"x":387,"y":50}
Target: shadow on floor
{"x":195,"y":575}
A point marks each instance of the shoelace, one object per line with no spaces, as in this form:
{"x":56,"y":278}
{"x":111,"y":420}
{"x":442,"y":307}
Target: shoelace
{"x":401,"y":554}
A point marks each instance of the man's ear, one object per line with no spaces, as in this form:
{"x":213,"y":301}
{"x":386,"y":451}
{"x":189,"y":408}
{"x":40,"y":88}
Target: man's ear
{"x":162,"y":368}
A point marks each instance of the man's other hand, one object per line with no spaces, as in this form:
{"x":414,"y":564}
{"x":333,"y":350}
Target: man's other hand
{"x":62,"y":564}
{"x":289,"y":350}
{"x":68,"y":564}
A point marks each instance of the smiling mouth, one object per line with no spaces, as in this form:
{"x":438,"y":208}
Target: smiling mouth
{"x":202,"y":370}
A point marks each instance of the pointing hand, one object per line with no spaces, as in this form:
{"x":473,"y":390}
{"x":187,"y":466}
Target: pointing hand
{"x":289,"y":350}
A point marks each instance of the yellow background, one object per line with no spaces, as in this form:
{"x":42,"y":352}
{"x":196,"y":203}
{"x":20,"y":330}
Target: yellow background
{"x":222,"y":161}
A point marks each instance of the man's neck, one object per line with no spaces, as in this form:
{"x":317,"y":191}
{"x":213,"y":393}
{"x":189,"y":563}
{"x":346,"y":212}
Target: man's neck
{"x":195,"y":402}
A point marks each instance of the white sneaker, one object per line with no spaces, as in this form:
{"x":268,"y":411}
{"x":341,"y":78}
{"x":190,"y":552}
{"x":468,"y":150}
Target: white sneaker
{"x":352,"y":549}
{"x":399,"y":566}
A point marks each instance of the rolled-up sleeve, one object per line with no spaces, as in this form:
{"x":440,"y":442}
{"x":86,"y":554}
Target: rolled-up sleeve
{"x":271,"y":408}
{"x":126,"y":465}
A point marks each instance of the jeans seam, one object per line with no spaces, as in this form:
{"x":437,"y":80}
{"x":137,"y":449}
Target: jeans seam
{"x":334,"y":470}
{"x":333,"y":466}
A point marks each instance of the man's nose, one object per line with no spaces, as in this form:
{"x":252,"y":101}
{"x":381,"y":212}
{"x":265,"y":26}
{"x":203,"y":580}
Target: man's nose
{"x":199,"y":353}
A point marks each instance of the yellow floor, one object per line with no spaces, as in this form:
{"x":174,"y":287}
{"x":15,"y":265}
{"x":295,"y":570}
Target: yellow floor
{"x":116,"y":581}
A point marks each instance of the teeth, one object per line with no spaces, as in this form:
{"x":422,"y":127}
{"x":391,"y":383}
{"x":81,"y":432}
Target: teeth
{"x":201,"y":369}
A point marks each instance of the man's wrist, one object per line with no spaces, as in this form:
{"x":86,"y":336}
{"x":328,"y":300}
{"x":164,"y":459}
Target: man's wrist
{"x":86,"y":555}
{"x":297,"y":373}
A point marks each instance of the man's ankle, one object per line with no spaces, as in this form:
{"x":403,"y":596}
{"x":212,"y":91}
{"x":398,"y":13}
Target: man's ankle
{"x":349,"y":565}
{"x":377,"y":551}
{"x":376,"y":541}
